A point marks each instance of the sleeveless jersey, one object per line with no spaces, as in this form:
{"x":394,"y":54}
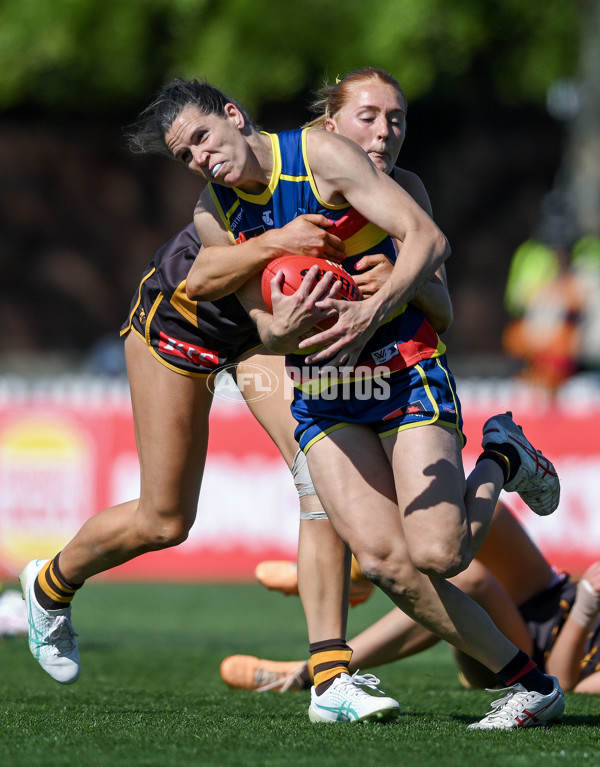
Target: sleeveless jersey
{"x":400,"y":342}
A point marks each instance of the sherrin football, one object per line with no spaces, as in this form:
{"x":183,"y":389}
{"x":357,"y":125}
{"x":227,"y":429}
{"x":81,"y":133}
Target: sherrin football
{"x":295,"y":267}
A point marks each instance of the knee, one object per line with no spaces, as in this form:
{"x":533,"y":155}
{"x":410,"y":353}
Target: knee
{"x":394,"y":576}
{"x":440,"y":559}
{"x":163,"y":530}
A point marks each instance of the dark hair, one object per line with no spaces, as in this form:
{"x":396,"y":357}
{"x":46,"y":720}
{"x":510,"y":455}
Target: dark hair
{"x":331,"y":98}
{"x":147,"y":135}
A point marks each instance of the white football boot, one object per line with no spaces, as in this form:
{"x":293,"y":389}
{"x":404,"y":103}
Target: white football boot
{"x":520,"y":708}
{"x":346,"y":701}
{"x":51,"y":634}
{"x":536,"y":480}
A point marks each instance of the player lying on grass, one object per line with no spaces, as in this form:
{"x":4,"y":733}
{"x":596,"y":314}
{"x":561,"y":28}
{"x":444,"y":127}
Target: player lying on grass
{"x":553,"y":618}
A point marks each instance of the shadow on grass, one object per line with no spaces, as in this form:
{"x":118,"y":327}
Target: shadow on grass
{"x":571,"y":720}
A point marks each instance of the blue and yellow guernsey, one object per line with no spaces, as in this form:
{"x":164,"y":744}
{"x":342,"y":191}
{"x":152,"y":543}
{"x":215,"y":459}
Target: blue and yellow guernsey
{"x":402,"y":341}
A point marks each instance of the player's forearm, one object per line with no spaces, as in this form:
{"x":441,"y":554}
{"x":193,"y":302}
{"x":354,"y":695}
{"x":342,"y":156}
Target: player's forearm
{"x":220,"y":270}
{"x":591,"y":684}
{"x":277,"y":339}
{"x":565,"y":657}
{"x":569,"y":647}
{"x":422,"y":254}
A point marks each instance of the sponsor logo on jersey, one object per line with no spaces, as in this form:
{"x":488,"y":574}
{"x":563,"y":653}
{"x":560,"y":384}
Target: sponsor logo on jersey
{"x":195,"y":354}
{"x":383,"y":355}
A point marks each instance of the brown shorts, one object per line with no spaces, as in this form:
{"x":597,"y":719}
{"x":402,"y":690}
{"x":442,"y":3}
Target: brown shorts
{"x":194,"y":338}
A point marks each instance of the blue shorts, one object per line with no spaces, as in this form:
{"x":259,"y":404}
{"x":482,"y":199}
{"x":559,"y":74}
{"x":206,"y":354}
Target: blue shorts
{"x":420,"y":395}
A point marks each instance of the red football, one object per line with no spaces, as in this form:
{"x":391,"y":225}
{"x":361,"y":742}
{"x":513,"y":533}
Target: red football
{"x":295,"y":268}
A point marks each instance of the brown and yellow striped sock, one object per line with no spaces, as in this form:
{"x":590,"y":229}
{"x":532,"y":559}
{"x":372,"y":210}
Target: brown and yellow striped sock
{"x":328,"y":659}
{"x":52,"y":590}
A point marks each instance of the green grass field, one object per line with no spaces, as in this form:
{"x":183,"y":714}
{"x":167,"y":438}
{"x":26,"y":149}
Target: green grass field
{"x":150,"y":694}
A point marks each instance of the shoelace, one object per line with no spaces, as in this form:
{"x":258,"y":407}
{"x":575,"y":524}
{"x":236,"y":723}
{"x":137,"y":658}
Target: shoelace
{"x":283,"y":684}
{"x":61,"y":634}
{"x":507,"y":706}
{"x":358,"y":680}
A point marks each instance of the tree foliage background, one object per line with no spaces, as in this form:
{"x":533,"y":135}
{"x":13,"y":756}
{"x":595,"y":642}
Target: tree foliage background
{"x":74,"y":72}
{"x":91,"y":55}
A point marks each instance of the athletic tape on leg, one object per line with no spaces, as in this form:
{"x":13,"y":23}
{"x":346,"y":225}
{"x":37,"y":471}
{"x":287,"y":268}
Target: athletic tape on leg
{"x":304,"y":485}
{"x":301,"y":475}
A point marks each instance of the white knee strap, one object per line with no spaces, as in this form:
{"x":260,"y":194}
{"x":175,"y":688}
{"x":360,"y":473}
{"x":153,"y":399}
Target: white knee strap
{"x":321,"y":514}
{"x":301,"y":475}
{"x":304,"y":485}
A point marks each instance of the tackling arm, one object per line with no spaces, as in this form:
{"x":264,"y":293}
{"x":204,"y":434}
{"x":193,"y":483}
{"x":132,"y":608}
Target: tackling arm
{"x":343,"y":172}
{"x":220,"y":270}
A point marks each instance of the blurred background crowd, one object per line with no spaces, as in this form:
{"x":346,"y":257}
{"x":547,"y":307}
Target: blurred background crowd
{"x":503,"y":128}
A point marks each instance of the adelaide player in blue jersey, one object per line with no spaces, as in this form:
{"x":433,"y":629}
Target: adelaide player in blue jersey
{"x":524,"y":596}
{"x":398,"y":497}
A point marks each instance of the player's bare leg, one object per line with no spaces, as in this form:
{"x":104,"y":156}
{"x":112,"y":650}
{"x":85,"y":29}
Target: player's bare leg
{"x":323,"y":560}
{"x":170,"y":414}
{"x":509,"y":543}
{"x":365,"y":514}
{"x":171,"y":426}
{"x":492,"y":580}
{"x":386,"y":539}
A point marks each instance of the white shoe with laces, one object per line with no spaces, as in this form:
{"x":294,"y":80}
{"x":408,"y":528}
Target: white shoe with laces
{"x":346,"y":701}
{"x":521,"y":708}
{"x":51,"y":634}
{"x":536,"y":480}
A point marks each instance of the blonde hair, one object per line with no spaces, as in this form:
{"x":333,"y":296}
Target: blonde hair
{"x":332,"y":98}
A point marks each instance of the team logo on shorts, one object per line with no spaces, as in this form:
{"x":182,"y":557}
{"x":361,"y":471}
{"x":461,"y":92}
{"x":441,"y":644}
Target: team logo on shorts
{"x":416,"y":408}
{"x":194,"y":354}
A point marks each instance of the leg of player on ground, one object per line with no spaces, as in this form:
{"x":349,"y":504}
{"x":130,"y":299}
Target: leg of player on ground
{"x":322,"y":556}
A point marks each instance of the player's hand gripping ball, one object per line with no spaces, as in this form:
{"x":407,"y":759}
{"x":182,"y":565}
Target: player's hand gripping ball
{"x":295,"y":267}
